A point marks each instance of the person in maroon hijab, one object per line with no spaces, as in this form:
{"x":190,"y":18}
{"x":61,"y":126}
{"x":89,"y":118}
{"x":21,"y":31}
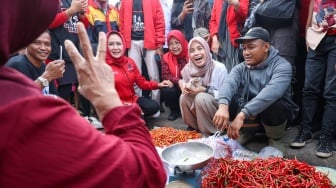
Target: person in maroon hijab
{"x":43,"y":140}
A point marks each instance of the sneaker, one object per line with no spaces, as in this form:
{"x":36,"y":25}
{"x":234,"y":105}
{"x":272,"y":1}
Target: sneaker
{"x":87,"y":118}
{"x":94,"y":122}
{"x":278,"y":144}
{"x":156,"y":115}
{"x":302,"y":139}
{"x":190,"y":128}
{"x":324,"y":147}
{"x":245,"y":138}
{"x":173,"y":117}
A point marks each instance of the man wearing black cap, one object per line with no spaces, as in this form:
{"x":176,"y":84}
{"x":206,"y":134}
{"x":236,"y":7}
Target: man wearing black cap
{"x":257,"y":89}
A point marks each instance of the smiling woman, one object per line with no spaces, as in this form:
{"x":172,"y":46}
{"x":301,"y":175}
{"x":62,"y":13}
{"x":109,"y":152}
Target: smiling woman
{"x":198,"y":56}
{"x":172,"y":63}
{"x":126,"y":74}
{"x":115,"y":46}
{"x":198,"y":103}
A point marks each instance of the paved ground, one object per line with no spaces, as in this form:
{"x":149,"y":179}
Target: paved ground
{"x":306,"y":154}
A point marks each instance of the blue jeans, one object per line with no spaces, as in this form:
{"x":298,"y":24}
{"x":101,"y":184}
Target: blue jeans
{"x":320,"y":81}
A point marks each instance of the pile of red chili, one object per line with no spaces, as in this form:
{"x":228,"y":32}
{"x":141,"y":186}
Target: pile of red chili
{"x":273,"y":172}
{"x":166,"y":136}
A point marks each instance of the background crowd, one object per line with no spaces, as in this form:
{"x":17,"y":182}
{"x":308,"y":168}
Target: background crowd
{"x":191,"y":55}
{"x":222,"y":65}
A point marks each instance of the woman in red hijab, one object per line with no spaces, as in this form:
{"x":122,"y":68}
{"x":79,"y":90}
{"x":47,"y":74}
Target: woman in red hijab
{"x":126,"y":74}
{"x":172,"y":63}
{"x":44,"y":142}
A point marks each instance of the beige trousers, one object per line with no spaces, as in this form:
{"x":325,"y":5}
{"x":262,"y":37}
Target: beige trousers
{"x":198,"y":111}
{"x":135,"y":52}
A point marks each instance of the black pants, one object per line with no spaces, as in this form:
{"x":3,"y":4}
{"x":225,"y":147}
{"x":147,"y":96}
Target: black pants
{"x":85,"y":106}
{"x":171,"y":97}
{"x":274,"y":115}
{"x":148,"y":106}
{"x":66,"y":91}
{"x":320,"y":80}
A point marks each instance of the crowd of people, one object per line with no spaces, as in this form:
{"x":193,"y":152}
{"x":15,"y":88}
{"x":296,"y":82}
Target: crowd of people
{"x":213,"y":63}
{"x":44,"y":141}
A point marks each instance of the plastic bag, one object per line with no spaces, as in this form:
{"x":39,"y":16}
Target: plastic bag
{"x":243,"y":154}
{"x":234,"y":145}
{"x":221,"y":148}
{"x":266,"y":152}
{"x":270,"y":151}
{"x":239,"y":152}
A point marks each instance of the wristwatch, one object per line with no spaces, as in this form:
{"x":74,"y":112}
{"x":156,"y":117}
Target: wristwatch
{"x":43,"y":81}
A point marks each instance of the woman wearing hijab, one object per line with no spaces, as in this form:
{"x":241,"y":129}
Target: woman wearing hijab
{"x":172,"y":63}
{"x":126,"y":74}
{"x":44,"y":142}
{"x":202,"y":77}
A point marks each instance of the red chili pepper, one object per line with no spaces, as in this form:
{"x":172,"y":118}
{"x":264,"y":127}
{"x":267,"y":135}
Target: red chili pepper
{"x":275,"y":172}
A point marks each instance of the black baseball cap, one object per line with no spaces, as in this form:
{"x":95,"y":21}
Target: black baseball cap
{"x":255,"y":33}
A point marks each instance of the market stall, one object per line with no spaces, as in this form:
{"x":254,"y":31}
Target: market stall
{"x":230,"y":165}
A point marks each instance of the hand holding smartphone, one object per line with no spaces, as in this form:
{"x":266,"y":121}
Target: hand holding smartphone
{"x":191,"y":2}
{"x":61,"y":52}
{"x":188,"y":7}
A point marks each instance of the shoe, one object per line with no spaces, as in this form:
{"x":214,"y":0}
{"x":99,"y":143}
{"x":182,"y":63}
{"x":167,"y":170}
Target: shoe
{"x":87,"y":118}
{"x":244,"y":138}
{"x":190,"y":128}
{"x":94,"y":122}
{"x":173,"y":117}
{"x":156,"y":115}
{"x":324,"y":147}
{"x":80,"y":113}
{"x":302,"y":139}
{"x":278,"y":144}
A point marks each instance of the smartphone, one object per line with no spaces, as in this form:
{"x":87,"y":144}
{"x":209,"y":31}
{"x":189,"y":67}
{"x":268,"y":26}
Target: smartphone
{"x":192,"y":2}
{"x":61,"y":52}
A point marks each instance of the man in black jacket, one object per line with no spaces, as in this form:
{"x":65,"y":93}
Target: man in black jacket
{"x":32,"y":64}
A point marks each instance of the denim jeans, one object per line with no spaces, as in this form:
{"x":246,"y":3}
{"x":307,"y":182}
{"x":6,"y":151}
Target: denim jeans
{"x":320,"y":81}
